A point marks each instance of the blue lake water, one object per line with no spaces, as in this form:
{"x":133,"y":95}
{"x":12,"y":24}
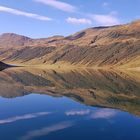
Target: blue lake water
{"x":72,"y":113}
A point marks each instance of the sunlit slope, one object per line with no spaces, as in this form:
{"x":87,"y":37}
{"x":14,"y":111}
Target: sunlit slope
{"x":93,"y":47}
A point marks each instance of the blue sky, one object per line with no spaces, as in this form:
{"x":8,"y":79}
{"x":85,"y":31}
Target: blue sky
{"x":43,"y":18}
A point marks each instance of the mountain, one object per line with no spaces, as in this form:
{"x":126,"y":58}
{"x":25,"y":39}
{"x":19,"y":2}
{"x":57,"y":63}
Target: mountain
{"x":8,"y":40}
{"x":115,"y":46}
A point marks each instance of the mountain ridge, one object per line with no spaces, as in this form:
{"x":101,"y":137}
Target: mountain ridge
{"x":115,"y":46}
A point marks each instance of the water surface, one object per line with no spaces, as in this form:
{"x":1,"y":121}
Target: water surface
{"x":40,"y":104}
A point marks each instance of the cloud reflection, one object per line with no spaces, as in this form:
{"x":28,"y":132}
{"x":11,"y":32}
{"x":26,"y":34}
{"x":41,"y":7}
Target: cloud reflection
{"x":104,"y":114}
{"x":78,"y":112}
{"x":47,"y":130}
{"x":23,"y":117}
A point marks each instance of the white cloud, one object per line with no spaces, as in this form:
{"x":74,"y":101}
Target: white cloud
{"x":23,"y":117}
{"x":58,"y":5}
{"x":105,"y":20}
{"x":78,"y":20}
{"x":47,"y":130}
{"x":22,"y":13}
{"x":104,"y":114}
{"x":78,"y":112}
{"x":105,"y":4}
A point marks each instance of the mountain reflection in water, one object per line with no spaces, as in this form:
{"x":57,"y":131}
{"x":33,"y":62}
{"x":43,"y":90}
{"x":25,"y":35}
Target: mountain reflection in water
{"x":109,"y":89}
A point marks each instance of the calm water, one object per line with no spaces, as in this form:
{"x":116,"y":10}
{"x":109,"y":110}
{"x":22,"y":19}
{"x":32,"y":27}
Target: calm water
{"x":58,"y":105}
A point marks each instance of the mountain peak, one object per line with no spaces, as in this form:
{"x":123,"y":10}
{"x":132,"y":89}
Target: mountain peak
{"x":13,"y":35}
{"x":13,"y":40}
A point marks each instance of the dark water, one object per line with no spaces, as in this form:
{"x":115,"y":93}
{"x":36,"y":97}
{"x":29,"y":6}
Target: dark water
{"x":59,"y":105}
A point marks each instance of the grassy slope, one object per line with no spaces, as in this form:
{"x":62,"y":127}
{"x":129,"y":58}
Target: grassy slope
{"x":117,"y":46}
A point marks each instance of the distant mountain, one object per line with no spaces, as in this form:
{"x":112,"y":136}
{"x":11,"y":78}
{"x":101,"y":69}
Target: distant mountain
{"x":93,"y":47}
{"x":13,"y":40}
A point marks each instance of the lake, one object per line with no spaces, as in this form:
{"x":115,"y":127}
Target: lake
{"x":43,"y":104}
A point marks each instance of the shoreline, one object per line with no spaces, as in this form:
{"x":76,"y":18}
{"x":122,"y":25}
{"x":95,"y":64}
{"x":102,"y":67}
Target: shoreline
{"x":70,"y":67}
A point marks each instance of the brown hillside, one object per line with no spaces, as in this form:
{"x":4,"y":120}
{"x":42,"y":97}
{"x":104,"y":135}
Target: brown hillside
{"x":100,"y":46}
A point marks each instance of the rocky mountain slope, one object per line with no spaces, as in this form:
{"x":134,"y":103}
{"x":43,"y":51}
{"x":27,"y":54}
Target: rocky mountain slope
{"x":93,"y":47}
{"x":8,"y":40}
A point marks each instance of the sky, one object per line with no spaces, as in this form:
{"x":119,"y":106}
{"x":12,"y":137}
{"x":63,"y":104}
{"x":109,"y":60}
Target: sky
{"x":44,"y":18}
